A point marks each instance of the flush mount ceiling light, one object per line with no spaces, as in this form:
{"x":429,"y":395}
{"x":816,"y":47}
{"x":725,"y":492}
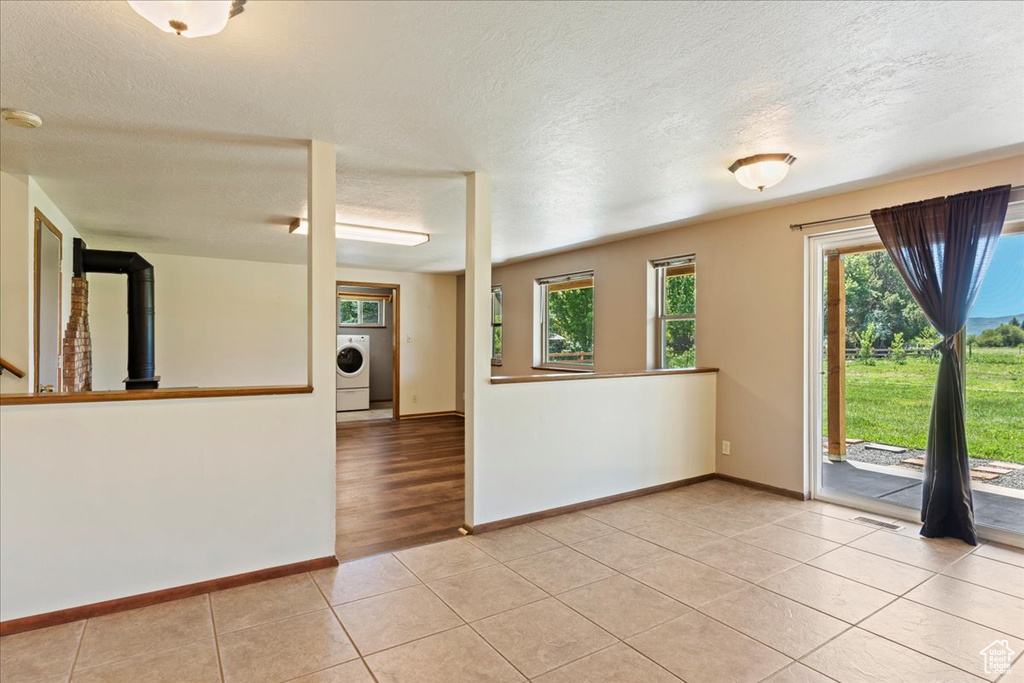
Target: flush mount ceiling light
{"x":762,"y":170}
{"x":189,"y":18}
{"x":22,"y":119}
{"x":365,"y":233}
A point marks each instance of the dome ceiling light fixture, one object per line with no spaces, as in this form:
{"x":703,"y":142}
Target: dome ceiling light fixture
{"x":22,"y":119}
{"x":189,"y":18}
{"x":762,"y":170}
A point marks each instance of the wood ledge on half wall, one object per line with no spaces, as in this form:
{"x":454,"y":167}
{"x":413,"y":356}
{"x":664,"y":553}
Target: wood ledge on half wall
{"x":557,"y":376}
{"x":150,"y":394}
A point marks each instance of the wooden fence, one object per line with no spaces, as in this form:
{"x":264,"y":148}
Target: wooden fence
{"x":580,"y":357}
{"x":854,"y":352}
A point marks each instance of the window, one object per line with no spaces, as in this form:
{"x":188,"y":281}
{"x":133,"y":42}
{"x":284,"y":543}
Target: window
{"x":496,"y":325}
{"x":567,"y":320}
{"x":361,"y":310}
{"x":993,"y":351}
{"x":677,"y":312}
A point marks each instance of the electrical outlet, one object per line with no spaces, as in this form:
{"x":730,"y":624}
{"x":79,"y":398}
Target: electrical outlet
{"x":726,"y":446}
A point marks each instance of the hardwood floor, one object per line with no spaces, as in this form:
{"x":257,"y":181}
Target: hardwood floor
{"x":400,"y":484}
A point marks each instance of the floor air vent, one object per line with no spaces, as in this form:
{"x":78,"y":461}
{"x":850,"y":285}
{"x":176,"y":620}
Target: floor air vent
{"x":879,"y":523}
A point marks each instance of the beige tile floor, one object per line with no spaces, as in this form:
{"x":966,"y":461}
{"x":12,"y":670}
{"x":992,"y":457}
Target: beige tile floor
{"x":708,"y":583}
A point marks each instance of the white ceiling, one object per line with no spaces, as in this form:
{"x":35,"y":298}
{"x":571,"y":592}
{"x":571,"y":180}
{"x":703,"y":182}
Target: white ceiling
{"x":593,"y":118}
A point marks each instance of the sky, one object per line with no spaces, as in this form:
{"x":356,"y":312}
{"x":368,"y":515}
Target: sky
{"x":1002,"y":291}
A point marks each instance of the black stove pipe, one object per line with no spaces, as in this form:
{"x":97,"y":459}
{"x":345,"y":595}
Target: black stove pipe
{"x":141,"y":313}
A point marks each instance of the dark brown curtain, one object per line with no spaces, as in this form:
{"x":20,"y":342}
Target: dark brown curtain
{"x":942,"y":248}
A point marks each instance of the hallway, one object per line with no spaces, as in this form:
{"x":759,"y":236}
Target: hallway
{"x":400,"y":484}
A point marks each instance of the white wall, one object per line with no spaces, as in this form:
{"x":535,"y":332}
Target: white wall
{"x":548,"y":444}
{"x":126,"y":498}
{"x":105,"y":500}
{"x":427,"y":341}
{"x":20,"y":195}
{"x":37,"y":199}
{"x":219,"y":323}
{"x":15,"y":280}
{"x":750,"y":310}
{"x":536,"y":446}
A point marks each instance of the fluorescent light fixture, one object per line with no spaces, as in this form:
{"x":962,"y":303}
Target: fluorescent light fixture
{"x":762,"y":170}
{"x":365,"y":233}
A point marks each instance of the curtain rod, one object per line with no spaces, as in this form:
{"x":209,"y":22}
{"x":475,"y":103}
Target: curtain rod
{"x":862,"y":216}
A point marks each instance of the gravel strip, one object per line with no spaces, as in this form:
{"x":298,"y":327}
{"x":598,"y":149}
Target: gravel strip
{"x":860,"y":453}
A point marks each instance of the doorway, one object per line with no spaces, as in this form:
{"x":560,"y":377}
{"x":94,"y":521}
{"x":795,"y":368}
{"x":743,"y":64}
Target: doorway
{"x":47,"y":314}
{"x":400,"y":482}
{"x":870,"y":378}
{"x":369,"y":322}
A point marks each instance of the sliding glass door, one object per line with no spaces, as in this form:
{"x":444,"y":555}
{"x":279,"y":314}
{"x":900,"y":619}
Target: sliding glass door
{"x":871,"y":371}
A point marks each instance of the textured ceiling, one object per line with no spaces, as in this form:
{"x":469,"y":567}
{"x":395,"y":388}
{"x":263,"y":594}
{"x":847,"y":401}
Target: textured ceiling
{"x":593,"y":118}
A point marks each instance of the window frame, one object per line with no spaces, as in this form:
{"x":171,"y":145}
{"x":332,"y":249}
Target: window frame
{"x":496,"y":359}
{"x":543,"y":285}
{"x":361,"y":299}
{"x":661,"y":268}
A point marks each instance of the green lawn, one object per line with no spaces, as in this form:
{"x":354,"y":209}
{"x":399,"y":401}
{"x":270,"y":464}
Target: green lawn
{"x":891,"y":403}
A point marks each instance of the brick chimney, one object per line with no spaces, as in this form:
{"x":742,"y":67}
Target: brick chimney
{"x":77,"y":371}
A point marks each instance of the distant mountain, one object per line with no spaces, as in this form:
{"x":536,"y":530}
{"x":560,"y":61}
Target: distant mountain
{"x":977,"y":325}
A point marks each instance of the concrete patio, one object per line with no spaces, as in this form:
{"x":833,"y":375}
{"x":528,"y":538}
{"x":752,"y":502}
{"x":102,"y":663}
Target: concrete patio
{"x":994,"y":510}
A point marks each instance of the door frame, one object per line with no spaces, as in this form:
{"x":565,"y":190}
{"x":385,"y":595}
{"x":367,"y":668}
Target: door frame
{"x":37,"y":227}
{"x":815,"y":247}
{"x":396,"y":335}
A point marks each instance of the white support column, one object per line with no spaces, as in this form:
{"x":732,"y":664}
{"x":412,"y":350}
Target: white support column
{"x":478,"y":311}
{"x":321,"y":331}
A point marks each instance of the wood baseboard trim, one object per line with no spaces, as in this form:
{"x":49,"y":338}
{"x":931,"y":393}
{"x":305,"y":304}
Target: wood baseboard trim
{"x":797,"y":495}
{"x":421,"y":416}
{"x":97,"y":609}
{"x":576,"y":507}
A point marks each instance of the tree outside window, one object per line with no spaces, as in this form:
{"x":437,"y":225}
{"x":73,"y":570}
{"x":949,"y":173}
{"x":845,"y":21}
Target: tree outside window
{"x":568,"y":320}
{"x":496,"y":325}
{"x":677,"y":312}
{"x":360,"y":311}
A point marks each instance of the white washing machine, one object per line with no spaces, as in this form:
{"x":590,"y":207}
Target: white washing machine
{"x":353,"y":370}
